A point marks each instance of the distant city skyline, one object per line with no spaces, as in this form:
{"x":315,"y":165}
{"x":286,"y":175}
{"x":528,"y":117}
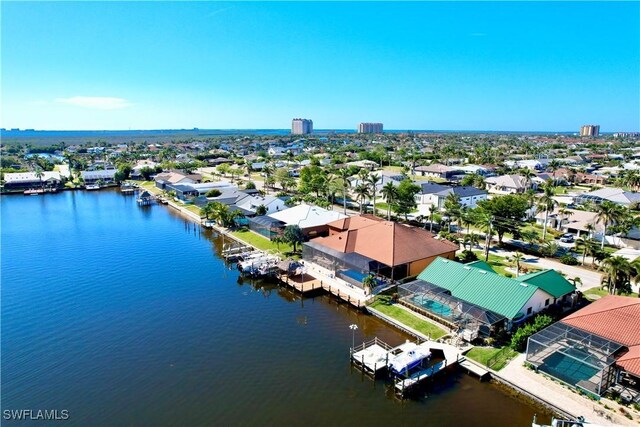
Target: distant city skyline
{"x":504,"y":66}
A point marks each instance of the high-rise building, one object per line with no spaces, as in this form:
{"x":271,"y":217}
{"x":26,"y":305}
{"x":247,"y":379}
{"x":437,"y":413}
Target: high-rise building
{"x":301,"y":126}
{"x":370,"y":128}
{"x":590,"y":130}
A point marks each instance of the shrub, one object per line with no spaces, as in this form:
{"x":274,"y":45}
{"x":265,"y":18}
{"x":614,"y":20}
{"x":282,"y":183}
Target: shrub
{"x":568,"y":260}
{"x":250,"y":186}
{"x":467,"y":256}
{"x":520,"y":337}
{"x":214,"y":192}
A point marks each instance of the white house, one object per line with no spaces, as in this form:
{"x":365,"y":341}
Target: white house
{"x":432,"y":194}
{"x":508,"y":184}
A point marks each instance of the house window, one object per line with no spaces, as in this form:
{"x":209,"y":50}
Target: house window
{"x":529,"y":310}
{"x":546,"y":303}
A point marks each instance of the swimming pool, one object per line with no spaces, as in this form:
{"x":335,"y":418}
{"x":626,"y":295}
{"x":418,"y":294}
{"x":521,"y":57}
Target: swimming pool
{"x":432,"y":306}
{"x":568,"y":369}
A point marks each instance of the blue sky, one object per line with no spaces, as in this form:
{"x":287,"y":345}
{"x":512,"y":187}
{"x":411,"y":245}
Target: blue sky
{"x":418,"y":65}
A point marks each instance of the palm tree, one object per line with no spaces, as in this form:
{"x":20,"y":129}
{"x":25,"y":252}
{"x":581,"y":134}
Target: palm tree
{"x":343,"y":174}
{"x":607,"y":213}
{"x":432,"y":210}
{"x":485,"y":222}
{"x":472,"y":239}
{"x":564,"y":215}
{"x":39,"y":174}
{"x":207,"y":210}
{"x":390,"y":194}
{"x":452,"y":208}
{"x":362,"y":192}
{"x":547,"y":203}
{"x":373,"y":181}
{"x":516,"y":258}
{"x":588,"y":247}
{"x":527,"y":174}
{"x":618,"y":271}
{"x":529,"y":236}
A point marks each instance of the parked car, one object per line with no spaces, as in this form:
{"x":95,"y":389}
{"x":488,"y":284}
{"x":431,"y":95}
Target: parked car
{"x":567,"y":238}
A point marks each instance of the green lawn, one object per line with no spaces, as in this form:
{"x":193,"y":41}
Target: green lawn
{"x":597,"y":292}
{"x":260,"y":242}
{"x":483,"y":354}
{"x":150,"y":186}
{"x":408,"y":319}
{"x":193,"y":208}
{"x":500,"y":264}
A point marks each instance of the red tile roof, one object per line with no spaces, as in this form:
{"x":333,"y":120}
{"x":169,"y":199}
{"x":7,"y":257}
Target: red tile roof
{"x":615,"y":318}
{"x":354,"y":222}
{"x":389,"y":243}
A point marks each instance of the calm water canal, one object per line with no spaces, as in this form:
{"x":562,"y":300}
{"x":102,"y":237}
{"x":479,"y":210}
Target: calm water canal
{"x":127,"y":316}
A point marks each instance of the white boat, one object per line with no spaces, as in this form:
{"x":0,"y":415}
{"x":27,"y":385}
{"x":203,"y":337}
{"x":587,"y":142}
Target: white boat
{"x":253,"y":263}
{"x":410,"y":358}
{"x":92,"y":187}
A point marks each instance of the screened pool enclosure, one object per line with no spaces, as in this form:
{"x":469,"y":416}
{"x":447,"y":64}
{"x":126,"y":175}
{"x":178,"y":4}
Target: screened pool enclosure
{"x":575,"y":357}
{"x":438,"y":303}
{"x":350,"y":267}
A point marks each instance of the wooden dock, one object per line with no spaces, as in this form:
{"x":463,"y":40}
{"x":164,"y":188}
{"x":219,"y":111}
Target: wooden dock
{"x":335,"y":291}
{"x":303,"y":283}
{"x":473,"y":368}
{"x":371,"y":357}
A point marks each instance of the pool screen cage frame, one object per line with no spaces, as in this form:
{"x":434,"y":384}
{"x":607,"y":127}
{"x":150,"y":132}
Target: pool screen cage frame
{"x":583,"y":348}
{"x":461,"y":314}
{"x":339,"y":262}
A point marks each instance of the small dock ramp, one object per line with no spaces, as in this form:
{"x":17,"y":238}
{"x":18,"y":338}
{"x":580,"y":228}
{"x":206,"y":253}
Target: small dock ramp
{"x":473,"y":368}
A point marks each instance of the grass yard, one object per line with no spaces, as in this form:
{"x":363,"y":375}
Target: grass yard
{"x":262,"y":243}
{"x":150,"y":186}
{"x":192,"y":208}
{"x":482,"y":355}
{"x":595,"y":293}
{"x":499,"y":264}
{"x":403,"y":316}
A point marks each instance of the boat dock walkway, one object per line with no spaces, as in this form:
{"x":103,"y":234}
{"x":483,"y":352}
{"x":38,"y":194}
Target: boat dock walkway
{"x":473,"y":368}
{"x":303,"y":283}
{"x":374,"y":356}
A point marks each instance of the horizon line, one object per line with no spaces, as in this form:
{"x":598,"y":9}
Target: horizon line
{"x":319,"y":130}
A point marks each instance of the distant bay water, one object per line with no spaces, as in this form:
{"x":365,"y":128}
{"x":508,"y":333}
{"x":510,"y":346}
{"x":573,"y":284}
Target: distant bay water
{"x":46,"y":137}
{"x":124,"y":315}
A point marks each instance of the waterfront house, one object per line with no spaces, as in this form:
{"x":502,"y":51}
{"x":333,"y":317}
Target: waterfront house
{"x":176,"y":177}
{"x":20,"y":181}
{"x":311,"y":219}
{"x":105,"y":176}
{"x":359,"y":246}
{"x":594,"y":349}
{"x":476,"y":298}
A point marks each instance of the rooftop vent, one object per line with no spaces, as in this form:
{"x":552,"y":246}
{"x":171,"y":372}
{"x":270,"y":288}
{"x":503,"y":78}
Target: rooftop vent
{"x":482,"y":272}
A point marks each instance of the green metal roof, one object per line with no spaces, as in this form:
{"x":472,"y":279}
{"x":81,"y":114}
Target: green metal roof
{"x":482,"y":265}
{"x":444,"y":273}
{"x":478,"y":286}
{"x":495,"y":292}
{"x":549,"y":281}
